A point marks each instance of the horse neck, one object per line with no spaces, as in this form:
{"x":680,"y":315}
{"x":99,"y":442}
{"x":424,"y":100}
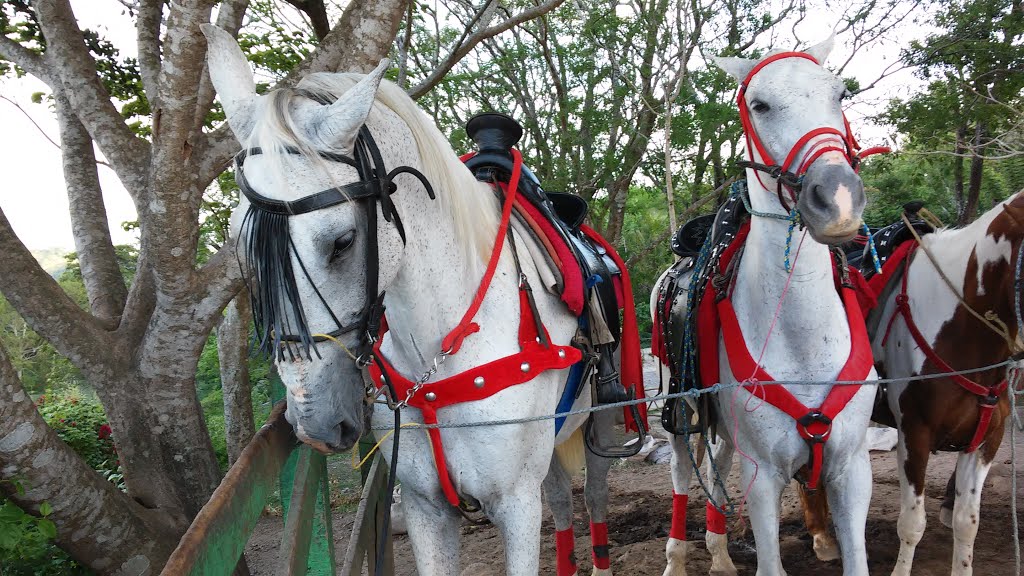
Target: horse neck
{"x":436,"y":285}
{"x":809,"y":336}
{"x":980,"y":261}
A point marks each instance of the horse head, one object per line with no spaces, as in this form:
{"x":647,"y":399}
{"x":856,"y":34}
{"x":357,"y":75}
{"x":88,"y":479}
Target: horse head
{"x":798,"y":141}
{"x":306,"y":228}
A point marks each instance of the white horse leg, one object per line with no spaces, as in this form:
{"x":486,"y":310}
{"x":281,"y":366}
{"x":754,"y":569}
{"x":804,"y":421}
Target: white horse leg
{"x":849,"y":496}
{"x":558,"y":492}
{"x":596,"y":494}
{"x":433,"y":527}
{"x":682,"y":471}
{"x":518,"y":516}
{"x":719,"y":465}
{"x":911,"y":523}
{"x":763,"y":501}
{"x":971,"y":470}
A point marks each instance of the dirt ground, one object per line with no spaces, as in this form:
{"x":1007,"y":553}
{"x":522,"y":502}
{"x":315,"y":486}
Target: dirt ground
{"x":640,"y":514}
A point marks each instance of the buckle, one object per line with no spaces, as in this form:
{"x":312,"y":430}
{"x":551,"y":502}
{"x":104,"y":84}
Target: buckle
{"x":990,"y":400}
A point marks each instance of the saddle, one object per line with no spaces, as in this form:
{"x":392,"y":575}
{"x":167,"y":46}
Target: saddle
{"x":889,"y":238}
{"x":592,"y":280}
{"x":700,"y":242}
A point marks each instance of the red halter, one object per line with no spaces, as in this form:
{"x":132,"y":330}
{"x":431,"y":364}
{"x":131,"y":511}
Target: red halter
{"x":837,"y":141}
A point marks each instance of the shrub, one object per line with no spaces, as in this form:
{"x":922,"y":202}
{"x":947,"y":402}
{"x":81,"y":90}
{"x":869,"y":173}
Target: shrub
{"x":79,"y":419}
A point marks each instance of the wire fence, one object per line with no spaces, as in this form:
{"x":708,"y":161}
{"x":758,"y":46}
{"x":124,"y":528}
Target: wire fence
{"x":714,"y":389}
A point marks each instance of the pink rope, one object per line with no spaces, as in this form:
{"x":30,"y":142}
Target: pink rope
{"x":752,"y":380}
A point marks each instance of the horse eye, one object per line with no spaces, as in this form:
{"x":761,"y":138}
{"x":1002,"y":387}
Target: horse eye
{"x":760,"y":107}
{"x":343,"y":243}
{"x":846,"y":95}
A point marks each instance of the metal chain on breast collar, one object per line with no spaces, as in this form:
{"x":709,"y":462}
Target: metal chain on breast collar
{"x":424,"y":379}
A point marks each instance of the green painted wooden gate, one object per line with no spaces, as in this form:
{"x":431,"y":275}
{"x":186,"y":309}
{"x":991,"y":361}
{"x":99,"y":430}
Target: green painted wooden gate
{"x":214,"y":542}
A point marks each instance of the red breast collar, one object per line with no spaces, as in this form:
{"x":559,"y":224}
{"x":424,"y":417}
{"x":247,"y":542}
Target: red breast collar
{"x":813,"y":424}
{"x":477,"y":383}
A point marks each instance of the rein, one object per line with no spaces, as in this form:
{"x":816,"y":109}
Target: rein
{"x":833,"y":141}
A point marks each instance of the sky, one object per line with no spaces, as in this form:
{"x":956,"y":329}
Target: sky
{"x":35,"y":201}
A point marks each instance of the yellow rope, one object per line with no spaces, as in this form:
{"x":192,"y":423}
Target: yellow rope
{"x":338,"y":342}
{"x":357,"y":466}
{"x":989,"y":319}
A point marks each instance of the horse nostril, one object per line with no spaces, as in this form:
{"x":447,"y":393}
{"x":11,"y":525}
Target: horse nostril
{"x":818,"y":201}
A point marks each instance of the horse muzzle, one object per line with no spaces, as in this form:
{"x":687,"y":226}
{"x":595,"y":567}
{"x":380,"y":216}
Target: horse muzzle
{"x":832,"y":202}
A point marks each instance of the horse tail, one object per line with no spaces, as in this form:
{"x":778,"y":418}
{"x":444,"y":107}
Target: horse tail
{"x":570,"y":453}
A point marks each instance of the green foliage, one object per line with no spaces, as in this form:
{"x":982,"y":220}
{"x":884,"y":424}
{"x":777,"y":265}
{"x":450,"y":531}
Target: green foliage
{"x":26,"y":541}
{"x":127,"y":260}
{"x":79,"y":420}
{"x":211,"y":395}
{"x":26,"y":547}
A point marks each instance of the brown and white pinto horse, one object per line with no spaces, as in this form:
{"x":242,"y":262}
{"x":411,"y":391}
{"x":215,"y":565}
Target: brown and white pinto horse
{"x":967,"y":415}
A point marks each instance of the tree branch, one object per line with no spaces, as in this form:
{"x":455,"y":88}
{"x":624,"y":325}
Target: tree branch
{"x":100,"y":527}
{"x":358,"y":41}
{"x":147,"y":32}
{"x":216,"y":284}
{"x":70,"y":60}
{"x":36,"y":124}
{"x":229,"y":19}
{"x":317,"y":13}
{"x":460,"y":51}
{"x":46,"y":307}
{"x":28,"y":60}
{"x":101,"y":274}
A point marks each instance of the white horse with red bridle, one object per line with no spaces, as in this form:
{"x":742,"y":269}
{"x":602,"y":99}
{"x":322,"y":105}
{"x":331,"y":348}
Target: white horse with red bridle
{"x":777,"y":309}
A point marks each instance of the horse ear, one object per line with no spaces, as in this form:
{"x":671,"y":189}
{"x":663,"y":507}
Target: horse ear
{"x":738,"y":68}
{"x":822,"y":50}
{"x":338,"y":124}
{"x":232,"y":77}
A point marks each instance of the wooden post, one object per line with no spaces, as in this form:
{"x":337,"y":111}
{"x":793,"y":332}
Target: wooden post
{"x":216,"y":539}
{"x":362,"y":546}
{"x":305,"y":496}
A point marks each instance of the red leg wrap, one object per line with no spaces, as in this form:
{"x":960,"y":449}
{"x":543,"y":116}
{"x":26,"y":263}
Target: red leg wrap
{"x":678,"y":530}
{"x":599,"y":538}
{"x":565,"y":553}
{"x":715,"y":519}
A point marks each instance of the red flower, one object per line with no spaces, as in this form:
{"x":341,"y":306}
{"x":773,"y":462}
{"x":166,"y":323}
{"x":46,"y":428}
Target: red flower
{"x":104,"y":432}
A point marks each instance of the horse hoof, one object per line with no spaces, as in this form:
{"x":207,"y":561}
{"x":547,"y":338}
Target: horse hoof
{"x":601,"y":572}
{"x":946,"y":517}
{"x":826,"y":549}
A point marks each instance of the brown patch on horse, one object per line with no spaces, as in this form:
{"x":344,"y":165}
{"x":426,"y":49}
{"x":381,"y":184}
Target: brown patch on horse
{"x":940,"y":414}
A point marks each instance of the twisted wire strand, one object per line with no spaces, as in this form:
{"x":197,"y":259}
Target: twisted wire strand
{"x":694,"y":393}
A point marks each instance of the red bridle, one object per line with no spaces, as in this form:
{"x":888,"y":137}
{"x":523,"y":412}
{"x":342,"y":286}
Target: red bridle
{"x":836,"y":141}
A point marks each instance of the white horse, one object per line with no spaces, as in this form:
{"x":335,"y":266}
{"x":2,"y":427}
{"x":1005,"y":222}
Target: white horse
{"x":325,"y":227}
{"x":793,"y":325}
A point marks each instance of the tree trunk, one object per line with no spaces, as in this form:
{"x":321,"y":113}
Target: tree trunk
{"x":959,"y":149}
{"x":670,"y":197}
{"x":974,"y":184}
{"x":233,"y":353}
{"x":97,"y":524}
{"x":101,"y":274}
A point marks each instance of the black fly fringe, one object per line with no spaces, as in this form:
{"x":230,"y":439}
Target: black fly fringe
{"x":276,"y":304}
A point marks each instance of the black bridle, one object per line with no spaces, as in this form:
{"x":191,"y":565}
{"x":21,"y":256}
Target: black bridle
{"x":269,"y":247}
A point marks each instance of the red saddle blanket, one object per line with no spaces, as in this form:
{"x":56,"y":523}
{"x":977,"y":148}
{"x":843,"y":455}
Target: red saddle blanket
{"x":574,"y":295}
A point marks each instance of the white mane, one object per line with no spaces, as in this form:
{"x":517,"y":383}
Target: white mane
{"x":472,"y":205}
